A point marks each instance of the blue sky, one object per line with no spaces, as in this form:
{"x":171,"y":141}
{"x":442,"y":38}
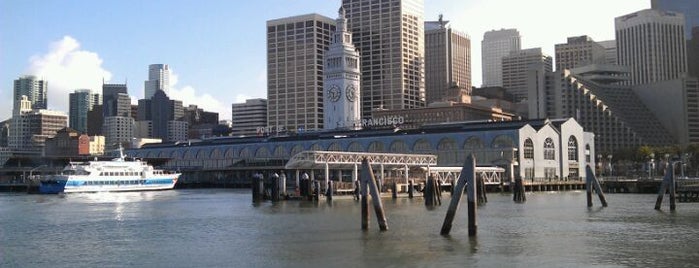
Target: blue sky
{"x":216,"y":48}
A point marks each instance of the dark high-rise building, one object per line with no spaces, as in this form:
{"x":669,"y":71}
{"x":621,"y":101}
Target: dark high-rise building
{"x":162,"y":112}
{"x":81,"y":102}
{"x":693,"y":53}
{"x":690,"y":9}
{"x":115,"y":100}
{"x":95,"y":119}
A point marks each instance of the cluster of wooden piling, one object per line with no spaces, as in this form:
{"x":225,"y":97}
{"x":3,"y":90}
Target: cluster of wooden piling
{"x":590,"y":183}
{"x":432,"y":192}
{"x":518,"y":191}
{"x":667,"y":186}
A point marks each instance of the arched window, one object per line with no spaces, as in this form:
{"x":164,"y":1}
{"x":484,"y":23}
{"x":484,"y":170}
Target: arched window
{"x":572,"y":149}
{"x":335,"y":147}
{"x":280,"y":152}
{"x":262,"y":152}
{"x":502,"y":141}
{"x":473,"y":144}
{"x":549,"y":149}
{"x":316,"y":147}
{"x":230,"y":153}
{"x":355,"y":147}
{"x":375,"y":147}
{"x":296,"y":149}
{"x":399,"y":147}
{"x":245,"y":153}
{"x":528,"y":149}
{"x":422,"y":145}
{"x":215,"y":154}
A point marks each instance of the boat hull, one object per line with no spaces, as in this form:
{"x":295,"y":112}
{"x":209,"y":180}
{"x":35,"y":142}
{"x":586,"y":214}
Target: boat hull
{"x":78,"y":184}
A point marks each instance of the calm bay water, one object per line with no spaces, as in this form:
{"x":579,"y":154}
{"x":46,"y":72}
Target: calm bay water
{"x":222,"y":228}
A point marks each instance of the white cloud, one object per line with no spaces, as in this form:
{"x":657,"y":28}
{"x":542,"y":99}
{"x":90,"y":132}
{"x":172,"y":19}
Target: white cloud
{"x":66,"y":67}
{"x":188,"y":95}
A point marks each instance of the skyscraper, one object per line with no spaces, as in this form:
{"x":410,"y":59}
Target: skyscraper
{"x":651,"y":42}
{"x":34,"y":89}
{"x":342,"y":92}
{"x":689,"y":8}
{"x":158,"y":79}
{"x":447,"y":59}
{"x":295,"y":49}
{"x":515,"y":69}
{"x":249,"y":118}
{"x":497,"y":44}
{"x":80,"y":103}
{"x":115,"y":100}
{"x":579,"y":51}
{"x":389,"y":35}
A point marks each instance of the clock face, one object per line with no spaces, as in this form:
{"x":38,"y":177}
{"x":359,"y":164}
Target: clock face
{"x":334,"y":93}
{"x":351,"y":93}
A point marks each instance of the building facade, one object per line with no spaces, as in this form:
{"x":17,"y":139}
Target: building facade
{"x":115,"y":100}
{"x":515,"y":67}
{"x":651,"y":42}
{"x":690,"y":10}
{"x":341,"y":88}
{"x":535,"y":149}
{"x":66,"y":143}
{"x":29,"y":130}
{"x":249,"y":118}
{"x":610,"y":53}
{"x":579,"y":51}
{"x":447,"y":59}
{"x":295,"y":49}
{"x":612,"y":111}
{"x":497,"y":44}
{"x":160,"y":110}
{"x":35,"y":89}
{"x":676,"y":104}
{"x":81,"y":102}
{"x":390,"y":37}
{"x":158,"y":79}
{"x":118,"y":131}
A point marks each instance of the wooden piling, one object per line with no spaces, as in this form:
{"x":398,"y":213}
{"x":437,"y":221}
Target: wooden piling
{"x":469,"y":168}
{"x":316,"y":190}
{"x":329,"y":191}
{"x":667,"y":184}
{"x":518,"y":191}
{"x":368,"y":175}
{"x":471,"y":197}
{"x":275,"y":188}
{"x":592,"y":182}
{"x":256,"y":191}
{"x":428,"y":192}
{"x":365,"y":204}
{"x":438,"y":192}
{"x":482,"y":198}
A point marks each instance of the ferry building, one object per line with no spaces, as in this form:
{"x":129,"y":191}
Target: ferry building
{"x":543,"y":149}
{"x":532,"y":149}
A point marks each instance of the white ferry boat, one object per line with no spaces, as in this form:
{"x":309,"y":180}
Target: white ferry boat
{"x":117,"y":175}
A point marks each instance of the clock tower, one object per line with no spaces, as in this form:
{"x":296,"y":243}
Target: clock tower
{"x":341,"y":97}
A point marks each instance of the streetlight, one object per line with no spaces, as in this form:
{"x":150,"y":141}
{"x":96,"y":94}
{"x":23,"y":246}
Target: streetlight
{"x":651,"y":165}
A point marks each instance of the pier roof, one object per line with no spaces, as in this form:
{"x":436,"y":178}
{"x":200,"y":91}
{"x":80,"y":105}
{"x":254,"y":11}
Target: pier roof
{"x":318,"y":159}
